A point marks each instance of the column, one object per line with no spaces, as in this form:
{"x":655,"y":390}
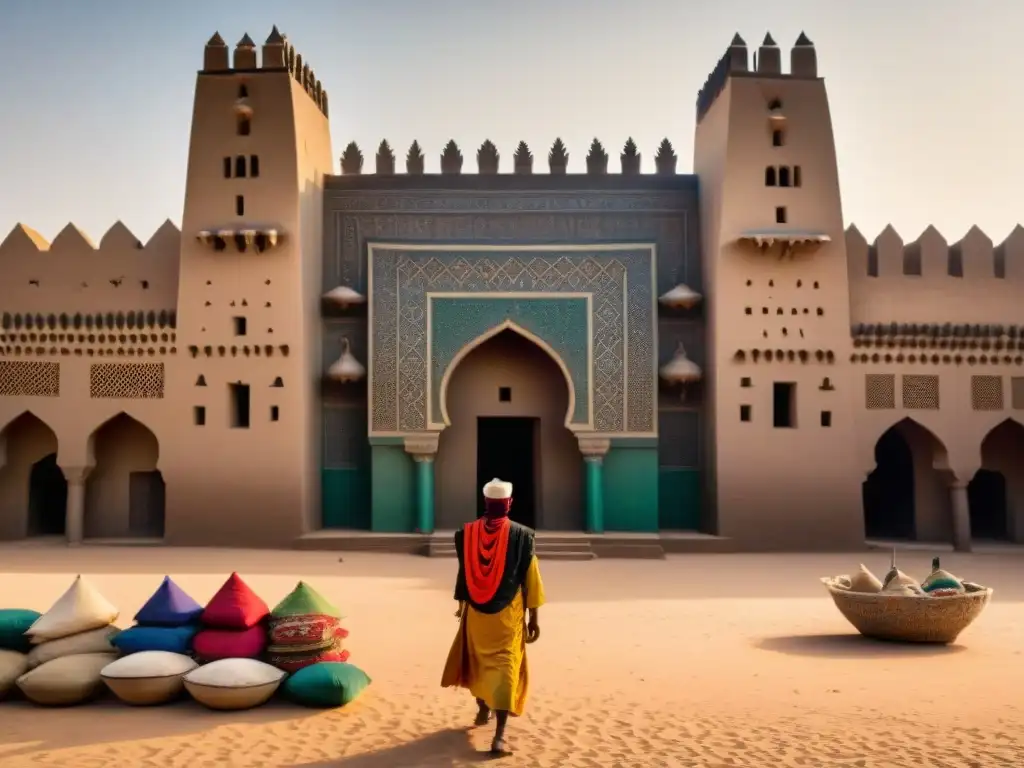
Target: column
{"x":423,"y":448}
{"x":961,"y":516}
{"x":74,"y":518}
{"x":594,"y":450}
{"x":424,"y":494}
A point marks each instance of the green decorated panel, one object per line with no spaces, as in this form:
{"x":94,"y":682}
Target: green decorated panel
{"x":393,"y":490}
{"x":562,"y":323}
{"x":631,"y":489}
{"x":346,"y":498}
{"x":679,"y":499}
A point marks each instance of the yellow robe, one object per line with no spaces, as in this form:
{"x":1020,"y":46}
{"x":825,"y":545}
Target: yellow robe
{"x":489,"y":653}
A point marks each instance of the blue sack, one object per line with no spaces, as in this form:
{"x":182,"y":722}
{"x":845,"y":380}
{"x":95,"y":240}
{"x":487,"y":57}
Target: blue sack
{"x":171,"y":639}
{"x":169,"y":606}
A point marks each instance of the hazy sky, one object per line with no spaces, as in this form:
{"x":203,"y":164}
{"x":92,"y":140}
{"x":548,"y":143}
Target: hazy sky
{"x":926,"y":95}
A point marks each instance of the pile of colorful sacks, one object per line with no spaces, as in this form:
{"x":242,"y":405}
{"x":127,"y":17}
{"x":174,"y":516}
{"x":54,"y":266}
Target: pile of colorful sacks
{"x":234,"y":653}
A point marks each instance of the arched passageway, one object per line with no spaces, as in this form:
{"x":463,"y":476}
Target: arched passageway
{"x":905,"y":497}
{"x":33,"y":491}
{"x":124,"y":493}
{"x":996,"y":493}
{"x":507,"y":401}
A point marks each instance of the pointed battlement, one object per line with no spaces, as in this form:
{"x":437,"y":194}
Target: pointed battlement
{"x":278,"y":55}
{"x":803,"y":63}
{"x":931,"y":280}
{"x":488,"y":160}
{"x":73,"y":273}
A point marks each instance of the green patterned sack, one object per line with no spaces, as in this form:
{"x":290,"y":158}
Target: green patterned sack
{"x":305,"y":601}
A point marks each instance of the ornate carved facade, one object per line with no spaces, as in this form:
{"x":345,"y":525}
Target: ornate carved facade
{"x":638,"y":349}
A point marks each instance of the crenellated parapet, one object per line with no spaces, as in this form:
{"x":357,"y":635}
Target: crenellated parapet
{"x":735,"y":62}
{"x":75,"y":274}
{"x":931,"y":281}
{"x":489,"y":159}
{"x":278,"y":55}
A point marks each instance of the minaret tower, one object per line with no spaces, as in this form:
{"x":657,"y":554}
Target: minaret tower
{"x":248,"y":304}
{"x":780,"y":425}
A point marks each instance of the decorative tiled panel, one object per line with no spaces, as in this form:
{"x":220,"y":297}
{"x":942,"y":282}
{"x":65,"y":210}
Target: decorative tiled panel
{"x":126,"y":381}
{"x":880,"y":391}
{"x":668,"y":218}
{"x":618,"y":280}
{"x":560,"y":323}
{"x":29,"y":379}
{"x":921,"y":392}
{"x":987,"y":393}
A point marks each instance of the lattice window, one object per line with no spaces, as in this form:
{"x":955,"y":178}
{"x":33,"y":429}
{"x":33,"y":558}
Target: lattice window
{"x":880,"y":391}
{"x":1017,"y":393}
{"x":921,"y":392}
{"x":24,"y":379}
{"x":126,"y":381}
{"x":987,"y":393}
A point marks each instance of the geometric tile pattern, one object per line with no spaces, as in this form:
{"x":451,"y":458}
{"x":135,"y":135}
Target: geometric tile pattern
{"x":126,"y":381}
{"x":29,"y":379}
{"x":623,"y":323}
{"x":562,"y":323}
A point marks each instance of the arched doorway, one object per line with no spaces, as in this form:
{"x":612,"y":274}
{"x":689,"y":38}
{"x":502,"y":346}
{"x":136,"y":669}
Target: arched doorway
{"x":33,"y":490}
{"x":905,"y":497}
{"x":996,"y":493}
{"x":124,"y":493}
{"x":507,"y":401}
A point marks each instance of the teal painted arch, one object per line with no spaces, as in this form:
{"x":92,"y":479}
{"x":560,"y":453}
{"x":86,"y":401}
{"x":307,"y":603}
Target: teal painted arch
{"x":560,"y":327}
{"x":507,"y":325}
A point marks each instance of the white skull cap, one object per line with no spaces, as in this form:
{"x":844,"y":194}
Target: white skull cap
{"x":498,"y":489}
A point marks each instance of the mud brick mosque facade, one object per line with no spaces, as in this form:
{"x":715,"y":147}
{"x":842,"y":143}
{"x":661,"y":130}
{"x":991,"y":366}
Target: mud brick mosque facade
{"x":657,"y":360}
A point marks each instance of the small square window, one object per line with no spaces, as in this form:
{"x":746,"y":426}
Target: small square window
{"x":199,"y":415}
{"x":504,"y":394}
{"x":748,"y":311}
{"x":826,"y":418}
{"x":745,"y":381}
{"x":275,"y":413}
{"x":744,"y":413}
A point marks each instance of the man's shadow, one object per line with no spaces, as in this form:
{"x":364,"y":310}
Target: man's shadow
{"x":450,"y":747}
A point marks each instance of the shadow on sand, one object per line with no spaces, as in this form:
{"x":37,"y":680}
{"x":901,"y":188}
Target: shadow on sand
{"x":852,"y":646}
{"x":108,"y":721}
{"x":450,"y":747}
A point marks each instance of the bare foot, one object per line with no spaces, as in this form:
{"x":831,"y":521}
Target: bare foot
{"x":499,"y":747}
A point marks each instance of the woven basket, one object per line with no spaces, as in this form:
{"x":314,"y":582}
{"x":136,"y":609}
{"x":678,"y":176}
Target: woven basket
{"x":908,"y":618}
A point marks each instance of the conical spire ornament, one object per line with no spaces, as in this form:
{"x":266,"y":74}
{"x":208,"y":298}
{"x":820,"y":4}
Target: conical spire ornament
{"x":680,"y":297}
{"x":344,"y":297}
{"x":346,"y":368}
{"x":681,"y":371}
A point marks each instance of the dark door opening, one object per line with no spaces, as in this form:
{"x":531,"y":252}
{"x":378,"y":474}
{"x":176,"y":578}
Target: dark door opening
{"x":986,"y":494}
{"x":889,"y":490}
{"x":505,"y":449}
{"x":47,"y":498}
{"x":146,"y":504}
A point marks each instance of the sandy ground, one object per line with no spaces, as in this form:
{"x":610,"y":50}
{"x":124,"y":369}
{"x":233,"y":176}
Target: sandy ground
{"x":706,"y":661}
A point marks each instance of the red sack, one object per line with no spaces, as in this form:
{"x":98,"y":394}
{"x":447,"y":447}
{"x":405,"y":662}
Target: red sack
{"x":293,"y":662}
{"x":214,"y":644}
{"x":235,"y":606}
{"x":295,"y":634}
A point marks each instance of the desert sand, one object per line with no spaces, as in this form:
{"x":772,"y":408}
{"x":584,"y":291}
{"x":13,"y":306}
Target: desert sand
{"x":710,"y":661}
